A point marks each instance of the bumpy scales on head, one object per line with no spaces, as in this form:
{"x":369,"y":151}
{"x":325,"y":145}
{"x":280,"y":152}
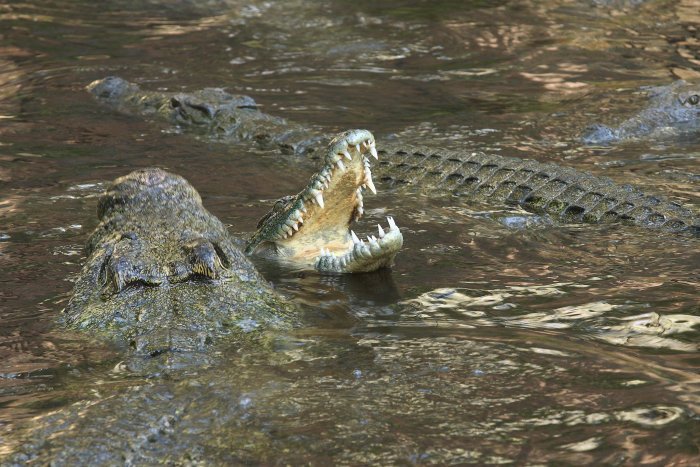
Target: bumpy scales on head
{"x":312,"y":228}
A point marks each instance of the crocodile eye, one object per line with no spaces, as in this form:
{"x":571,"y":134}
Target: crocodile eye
{"x":693,"y":100}
{"x":174,"y":103}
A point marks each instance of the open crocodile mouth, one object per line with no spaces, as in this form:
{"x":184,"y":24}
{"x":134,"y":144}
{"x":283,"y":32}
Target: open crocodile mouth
{"x":313,"y":228}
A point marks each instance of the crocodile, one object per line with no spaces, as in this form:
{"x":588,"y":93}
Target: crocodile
{"x":674,"y":110}
{"x":562,"y":193}
{"x":565,"y":194}
{"x":163,"y":275}
{"x":212,"y":112}
{"x":313,"y":225}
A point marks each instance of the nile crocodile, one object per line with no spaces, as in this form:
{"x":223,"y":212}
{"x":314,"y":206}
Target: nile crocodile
{"x":563,"y":193}
{"x":162,"y":273}
{"x":674,"y":110}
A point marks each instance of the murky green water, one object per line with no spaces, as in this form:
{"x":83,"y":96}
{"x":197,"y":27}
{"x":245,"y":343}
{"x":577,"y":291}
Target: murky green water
{"x":498,"y":337}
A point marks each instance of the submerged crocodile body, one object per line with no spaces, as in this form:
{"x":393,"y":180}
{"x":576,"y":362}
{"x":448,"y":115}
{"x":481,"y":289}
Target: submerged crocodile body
{"x":212,"y":112}
{"x":562,"y":193}
{"x":674,"y":110}
{"x":163,"y":274}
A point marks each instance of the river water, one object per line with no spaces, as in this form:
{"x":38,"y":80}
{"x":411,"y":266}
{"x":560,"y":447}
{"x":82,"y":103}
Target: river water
{"x":498,"y":337}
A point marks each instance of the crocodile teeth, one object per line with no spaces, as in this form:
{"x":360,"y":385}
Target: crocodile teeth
{"x":392,"y":224}
{"x":347,"y":154}
{"x":381,"y":231}
{"x":295,"y":226}
{"x":341,"y":166}
{"x":357,"y":147}
{"x":355,"y":239}
{"x":373,"y":150}
{"x":318,"y":197}
{"x":369,"y":182}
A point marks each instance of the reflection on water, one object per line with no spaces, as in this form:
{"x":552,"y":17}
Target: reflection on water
{"x":499,"y":337}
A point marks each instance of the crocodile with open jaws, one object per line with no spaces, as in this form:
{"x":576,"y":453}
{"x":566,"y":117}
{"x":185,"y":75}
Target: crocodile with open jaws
{"x":674,"y":110}
{"x":564,"y":193}
{"x":560,"y":192}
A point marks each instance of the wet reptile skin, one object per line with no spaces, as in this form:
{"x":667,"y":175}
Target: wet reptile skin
{"x":163,"y":274}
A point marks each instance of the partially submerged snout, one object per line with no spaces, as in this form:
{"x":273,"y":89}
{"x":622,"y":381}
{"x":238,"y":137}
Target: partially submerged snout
{"x":312,"y":229}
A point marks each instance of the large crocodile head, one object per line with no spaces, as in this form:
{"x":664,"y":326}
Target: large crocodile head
{"x":311,"y":229}
{"x":162,"y":273}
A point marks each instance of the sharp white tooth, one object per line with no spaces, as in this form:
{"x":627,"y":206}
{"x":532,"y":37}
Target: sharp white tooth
{"x":392,"y":224}
{"x":295,"y":226}
{"x":320,"y":253}
{"x":373,"y":151}
{"x":365,"y":251}
{"x":300,"y":220}
{"x":318,"y":196}
{"x":370,"y":183}
{"x":341,"y":166}
{"x":347,"y":154}
{"x":354,"y":237}
{"x":374,"y":239}
{"x":357,"y":147}
{"x":381,"y":231}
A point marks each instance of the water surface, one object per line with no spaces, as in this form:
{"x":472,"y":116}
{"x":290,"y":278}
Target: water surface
{"x":499,"y":336}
